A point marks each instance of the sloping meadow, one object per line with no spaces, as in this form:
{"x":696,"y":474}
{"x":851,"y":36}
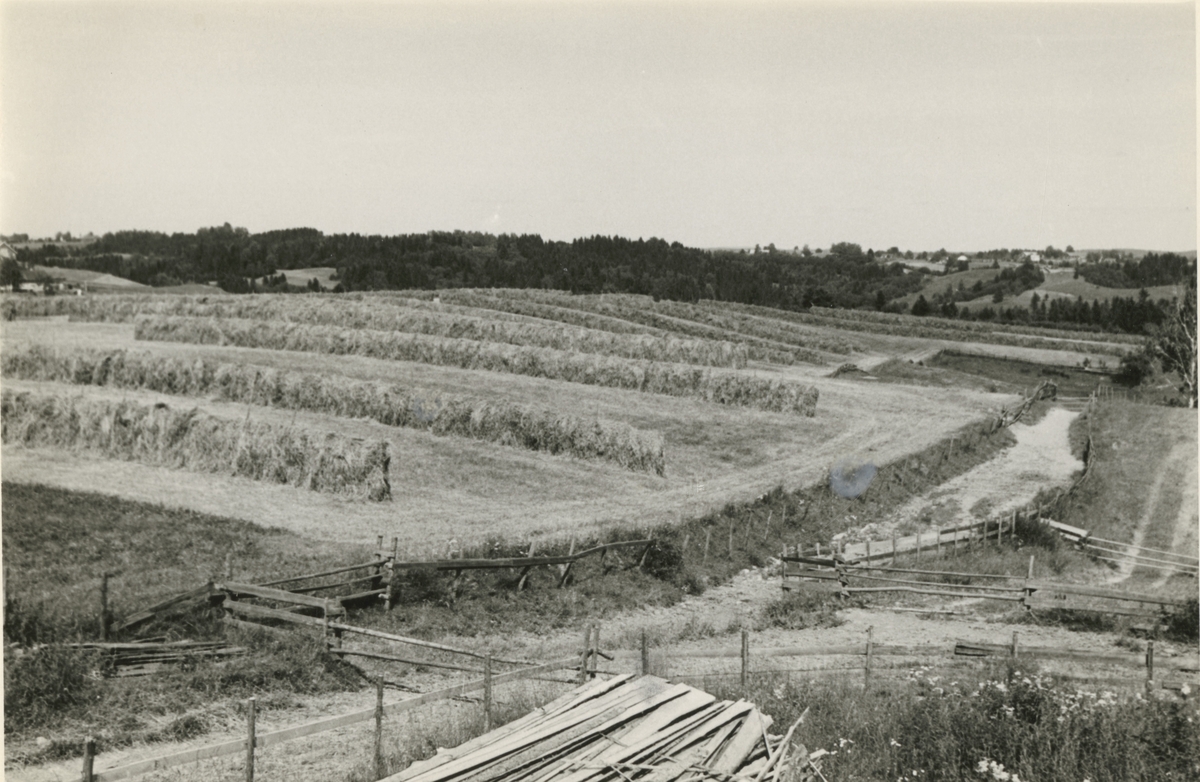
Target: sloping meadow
{"x":504,"y":423}
{"x":189,"y":439}
{"x":725,"y":388}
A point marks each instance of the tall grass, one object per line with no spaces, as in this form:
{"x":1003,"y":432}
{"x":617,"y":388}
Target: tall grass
{"x":499,"y":422}
{"x":590,"y":369}
{"x":191,"y":440}
{"x":1009,"y":720}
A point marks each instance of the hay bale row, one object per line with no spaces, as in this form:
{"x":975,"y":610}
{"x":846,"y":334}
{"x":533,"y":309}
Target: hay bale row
{"x":589,"y":369}
{"x":562,"y":311}
{"x":191,"y":440}
{"x":352,"y":314}
{"x":643,"y":311}
{"x":504,"y":423}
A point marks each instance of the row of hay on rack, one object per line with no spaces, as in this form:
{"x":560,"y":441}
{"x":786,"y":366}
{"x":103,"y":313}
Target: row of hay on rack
{"x":505,"y":423}
{"x":610,"y":312}
{"x":626,"y":729}
{"x":366,"y":314}
{"x":646,"y":376}
{"x":189,"y":439}
{"x":499,"y":305}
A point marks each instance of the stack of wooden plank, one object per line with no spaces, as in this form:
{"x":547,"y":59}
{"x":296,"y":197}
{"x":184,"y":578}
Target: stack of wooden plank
{"x":625,"y":729}
{"x":140,"y":658}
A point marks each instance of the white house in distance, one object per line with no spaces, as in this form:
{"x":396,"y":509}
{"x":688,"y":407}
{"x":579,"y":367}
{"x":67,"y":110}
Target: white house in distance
{"x":7,"y":252}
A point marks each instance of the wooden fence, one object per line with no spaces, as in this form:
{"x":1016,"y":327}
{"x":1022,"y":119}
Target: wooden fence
{"x":833,"y":574}
{"x":1182,"y":671}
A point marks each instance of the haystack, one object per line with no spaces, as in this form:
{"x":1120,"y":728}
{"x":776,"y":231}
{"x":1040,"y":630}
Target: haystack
{"x":625,"y":729}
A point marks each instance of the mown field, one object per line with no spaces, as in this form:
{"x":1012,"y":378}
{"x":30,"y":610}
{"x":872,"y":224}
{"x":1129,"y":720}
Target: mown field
{"x":490,"y":413}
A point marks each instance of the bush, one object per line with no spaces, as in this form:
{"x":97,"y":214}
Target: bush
{"x":42,"y":682}
{"x":1135,"y":367}
{"x":802,"y":611}
{"x":1183,"y":624}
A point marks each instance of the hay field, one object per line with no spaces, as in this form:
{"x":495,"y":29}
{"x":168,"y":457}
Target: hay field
{"x":447,"y":487}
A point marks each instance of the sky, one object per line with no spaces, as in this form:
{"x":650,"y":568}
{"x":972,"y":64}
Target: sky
{"x":963,"y":125}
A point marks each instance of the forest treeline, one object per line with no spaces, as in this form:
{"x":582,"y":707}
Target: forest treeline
{"x":846,"y":276}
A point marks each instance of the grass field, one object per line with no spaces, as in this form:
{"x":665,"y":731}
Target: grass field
{"x":448,"y":487}
{"x":1142,"y":488}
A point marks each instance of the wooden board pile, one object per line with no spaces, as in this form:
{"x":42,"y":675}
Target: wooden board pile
{"x":626,"y":729}
{"x":140,"y":658}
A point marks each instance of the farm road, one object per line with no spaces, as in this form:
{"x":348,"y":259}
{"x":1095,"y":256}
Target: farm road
{"x":1041,"y":459}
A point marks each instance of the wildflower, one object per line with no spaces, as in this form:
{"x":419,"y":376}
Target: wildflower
{"x":894,"y":743}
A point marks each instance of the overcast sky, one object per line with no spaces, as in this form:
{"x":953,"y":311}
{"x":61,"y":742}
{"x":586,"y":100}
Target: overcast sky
{"x":958,"y":125}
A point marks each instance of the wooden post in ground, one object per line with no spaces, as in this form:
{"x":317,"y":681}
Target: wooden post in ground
{"x":893,"y":549}
{"x":868,"y":554}
{"x":645,"y":653}
{"x":687,"y":538}
{"x":251,"y":707}
{"x":956,"y":540}
{"x":487,"y":693}
{"x":89,"y":757}
{"x":731,"y":541}
{"x":379,"y":727}
{"x":377,"y":575}
{"x":595,"y":649}
{"x":104,"y":607}
{"x":867,"y":663}
{"x":1013,"y":650}
{"x":745,"y":659}
{"x":707,"y":540}
{"x":583,"y":657}
{"x":767,"y":527}
{"x":1149,"y":666}
{"x":391,"y":577}
{"x":228,"y":566}
{"x":1028,"y":588}
{"x":938,"y":544}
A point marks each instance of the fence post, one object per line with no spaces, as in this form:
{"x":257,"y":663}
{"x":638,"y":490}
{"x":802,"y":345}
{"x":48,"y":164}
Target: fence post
{"x":918,"y":546}
{"x":583,"y":657}
{"x":89,"y":757}
{"x":645,"y":653}
{"x":731,"y":541}
{"x":391,"y":575}
{"x":104,"y":607}
{"x":868,"y":554}
{"x":379,"y":727}
{"x":893,"y":549}
{"x":1013,"y":651}
{"x":867,"y":663}
{"x":487,"y":693}
{"x":745,"y":659}
{"x":707,"y":540}
{"x":251,"y":706}
{"x":938,"y":544}
{"x":228,"y":566}
{"x":1149,"y":666}
{"x":1028,"y":588}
